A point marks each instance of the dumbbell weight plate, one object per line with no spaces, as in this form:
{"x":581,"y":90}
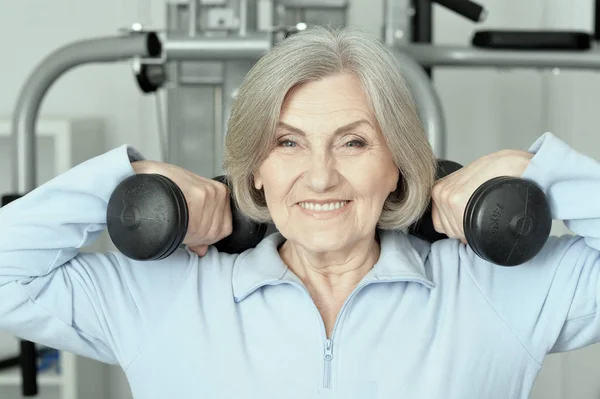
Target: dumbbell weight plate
{"x":147,"y":217}
{"x":424,"y":228}
{"x":245,"y":234}
{"x":507,"y":221}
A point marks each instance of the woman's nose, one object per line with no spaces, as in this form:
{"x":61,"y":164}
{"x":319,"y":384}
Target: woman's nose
{"x":322,"y":173}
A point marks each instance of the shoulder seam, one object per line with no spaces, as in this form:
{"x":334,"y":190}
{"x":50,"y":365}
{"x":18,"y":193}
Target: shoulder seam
{"x":167,"y":313}
{"x":508,"y":326}
{"x":77,"y":331}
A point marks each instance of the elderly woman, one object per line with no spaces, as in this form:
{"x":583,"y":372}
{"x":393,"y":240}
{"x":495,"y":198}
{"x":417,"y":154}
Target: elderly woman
{"x":325,"y":142}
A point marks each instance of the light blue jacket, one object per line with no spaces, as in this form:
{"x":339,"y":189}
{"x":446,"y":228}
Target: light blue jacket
{"x":427,"y":322}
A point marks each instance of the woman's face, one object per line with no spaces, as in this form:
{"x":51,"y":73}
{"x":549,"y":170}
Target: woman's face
{"x":330,"y":171}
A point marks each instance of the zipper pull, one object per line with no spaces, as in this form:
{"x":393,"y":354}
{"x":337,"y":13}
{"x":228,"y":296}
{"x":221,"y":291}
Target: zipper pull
{"x":328,"y":349}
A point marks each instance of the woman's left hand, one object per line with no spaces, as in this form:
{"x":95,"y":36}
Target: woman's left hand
{"x":451,"y":193}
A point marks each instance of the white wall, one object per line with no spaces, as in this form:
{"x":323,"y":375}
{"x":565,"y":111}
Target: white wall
{"x":488,"y":109}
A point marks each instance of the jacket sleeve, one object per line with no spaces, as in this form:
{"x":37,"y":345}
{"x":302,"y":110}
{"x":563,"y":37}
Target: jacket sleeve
{"x":551,"y":302}
{"x":102,"y":306}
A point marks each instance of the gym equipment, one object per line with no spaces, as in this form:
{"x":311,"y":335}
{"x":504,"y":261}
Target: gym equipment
{"x":150,"y":77}
{"x":507,"y":220}
{"x":534,"y":41}
{"x":422,"y":19}
{"x":424,"y":227}
{"x":147,"y":219}
{"x":226,"y":44}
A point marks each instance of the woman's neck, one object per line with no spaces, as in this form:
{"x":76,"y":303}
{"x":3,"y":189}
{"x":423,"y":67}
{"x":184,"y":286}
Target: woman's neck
{"x":330,"y":277}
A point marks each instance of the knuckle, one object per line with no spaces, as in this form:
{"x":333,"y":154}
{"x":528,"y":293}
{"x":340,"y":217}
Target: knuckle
{"x":200,"y":194}
{"x":454,"y":200}
{"x":214,"y":233}
{"x":435,"y":218}
{"x":210,"y":190}
{"x":223,"y":192}
{"x":435,"y":191}
{"x":441,"y":194}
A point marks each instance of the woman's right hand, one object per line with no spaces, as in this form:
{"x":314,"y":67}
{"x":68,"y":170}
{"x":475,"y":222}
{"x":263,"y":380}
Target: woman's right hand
{"x":208,"y":204}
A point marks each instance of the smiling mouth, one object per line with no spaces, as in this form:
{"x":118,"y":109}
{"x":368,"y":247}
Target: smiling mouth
{"x":330,"y":206}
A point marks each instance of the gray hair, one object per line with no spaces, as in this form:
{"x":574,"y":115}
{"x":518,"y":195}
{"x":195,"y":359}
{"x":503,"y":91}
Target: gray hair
{"x":311,"y":55}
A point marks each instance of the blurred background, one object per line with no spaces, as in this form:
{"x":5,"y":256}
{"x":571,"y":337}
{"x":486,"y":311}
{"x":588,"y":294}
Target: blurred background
{"x":97,"y":107}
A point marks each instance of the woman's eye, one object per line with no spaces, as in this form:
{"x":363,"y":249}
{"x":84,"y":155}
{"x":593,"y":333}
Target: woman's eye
{"x":286,"y":143}
{"x":356,"y":143}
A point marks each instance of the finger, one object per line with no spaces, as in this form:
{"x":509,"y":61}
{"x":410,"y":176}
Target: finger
{"x":436,"y":218}
{"x":203,"y":214}
{"x":454,"y":211}
{"x":441,"y":221}
{"x":218,"y":215}
{"x":207,"y":209}
{"x":448,"y":220}
{"x":195,"y":205}
{"x":227,"y":218}
{"x":201,"y":250}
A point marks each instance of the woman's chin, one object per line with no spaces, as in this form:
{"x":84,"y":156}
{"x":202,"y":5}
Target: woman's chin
{"x":324,"y":241}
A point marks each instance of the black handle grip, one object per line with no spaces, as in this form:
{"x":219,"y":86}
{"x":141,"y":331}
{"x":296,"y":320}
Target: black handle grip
{"x":29,"y":368}
{"x":466,"y":8}
{"x":424,"y":227}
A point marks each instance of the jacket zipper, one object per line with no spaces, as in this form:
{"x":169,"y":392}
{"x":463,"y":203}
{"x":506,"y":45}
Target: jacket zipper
{"x":328,"y":358}
{"x":328,"y":353}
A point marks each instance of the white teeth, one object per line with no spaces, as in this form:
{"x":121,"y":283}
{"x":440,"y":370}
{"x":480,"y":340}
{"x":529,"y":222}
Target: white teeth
{"x":323,"y":207}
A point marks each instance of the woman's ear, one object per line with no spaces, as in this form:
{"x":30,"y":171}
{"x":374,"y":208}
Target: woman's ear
{"x":258,"y":184}
{"x":395,"y":182}
{"x":399,"y":190}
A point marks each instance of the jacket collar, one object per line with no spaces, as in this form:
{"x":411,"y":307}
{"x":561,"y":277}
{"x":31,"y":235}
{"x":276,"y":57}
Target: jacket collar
{"x":401,"y":259}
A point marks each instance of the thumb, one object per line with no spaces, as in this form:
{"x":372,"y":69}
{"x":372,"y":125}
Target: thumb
{"x":201,"y":250}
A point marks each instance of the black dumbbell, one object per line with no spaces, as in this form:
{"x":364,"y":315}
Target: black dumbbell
{"x":147,"y":219}
{"x":507,"y":220}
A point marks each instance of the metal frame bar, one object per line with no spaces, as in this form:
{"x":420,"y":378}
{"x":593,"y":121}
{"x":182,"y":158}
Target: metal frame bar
{"x":205,"y":48}
{"x":314,"y":4}
{"x":463,"y":56}
{"x":193,"y":17}
{"x":427,"y":100}
{"x":47,"y":72}
{"x":596,"y":32}
{"x":422,"y":24}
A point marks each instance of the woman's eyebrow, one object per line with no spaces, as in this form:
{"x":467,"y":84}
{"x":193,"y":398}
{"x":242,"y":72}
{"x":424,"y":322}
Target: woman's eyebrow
{"x":338,"y":131}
